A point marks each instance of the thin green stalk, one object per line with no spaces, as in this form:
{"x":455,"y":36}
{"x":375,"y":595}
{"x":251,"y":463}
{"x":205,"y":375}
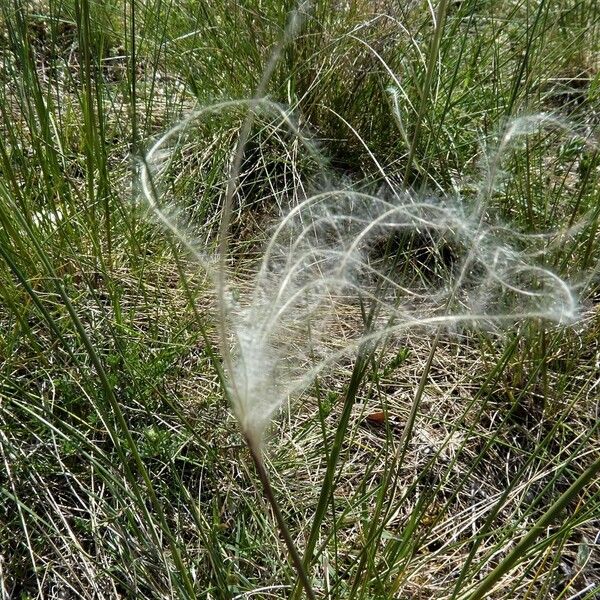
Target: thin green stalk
{"x":334,"y":455}
{"x":115,"y":409}
{"x":263,"y":475}
{"x":291,"y":30}
{"x":132,"y":75}
{"x":538,"y":529}
{"x":392,"y":474}
{"x":440,"y":21}
{"x":522,"y":75}
{"x":87,"y":101}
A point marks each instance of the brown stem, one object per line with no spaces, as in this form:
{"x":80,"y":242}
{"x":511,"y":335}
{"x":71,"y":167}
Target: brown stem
{"x":285,"y":533}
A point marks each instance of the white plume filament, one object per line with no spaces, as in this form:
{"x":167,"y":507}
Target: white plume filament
{"x":342,"y":248}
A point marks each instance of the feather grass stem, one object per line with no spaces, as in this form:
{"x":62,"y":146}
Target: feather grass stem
{"x":263,"y":475}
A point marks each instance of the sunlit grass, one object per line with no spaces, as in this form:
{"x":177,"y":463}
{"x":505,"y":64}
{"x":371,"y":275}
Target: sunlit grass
{"x":408,"y":468}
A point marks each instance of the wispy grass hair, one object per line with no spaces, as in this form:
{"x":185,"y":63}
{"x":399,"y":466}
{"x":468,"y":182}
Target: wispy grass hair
{"x":326,"y":252}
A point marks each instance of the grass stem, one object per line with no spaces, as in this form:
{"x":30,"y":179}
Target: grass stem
{"x":263,"y":475}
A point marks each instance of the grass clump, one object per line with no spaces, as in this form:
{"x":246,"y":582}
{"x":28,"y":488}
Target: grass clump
{"x":399,"y":250}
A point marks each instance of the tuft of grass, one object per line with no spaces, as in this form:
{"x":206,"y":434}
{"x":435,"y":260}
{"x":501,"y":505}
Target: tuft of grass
{"x":439,"y":463}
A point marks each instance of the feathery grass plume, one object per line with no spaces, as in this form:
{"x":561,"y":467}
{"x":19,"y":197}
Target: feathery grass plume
{"x":323,"y":254}
{"x":340,"y":247}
